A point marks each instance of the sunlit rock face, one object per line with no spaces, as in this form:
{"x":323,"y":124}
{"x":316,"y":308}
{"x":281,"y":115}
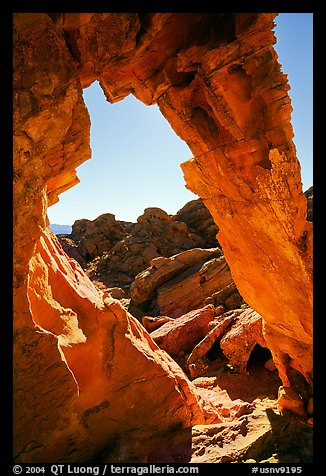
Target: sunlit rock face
{"x":85,"y":370}
{"x":96,"y":364}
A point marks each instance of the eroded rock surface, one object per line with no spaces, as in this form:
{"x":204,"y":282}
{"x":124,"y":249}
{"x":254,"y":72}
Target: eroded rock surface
{"x":199,"y":221}
{"x":94,"y":237}
{"x":183,"y":333}
{"x":108,"y":364}
{"x":216,"y":79}
{"x":113,"y":252}
{"x":200,"y":338}
{"x":173,"y":286}
{"x":241,"y":338}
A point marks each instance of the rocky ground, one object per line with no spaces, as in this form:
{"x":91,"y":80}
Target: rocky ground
{"x":171,"y":274}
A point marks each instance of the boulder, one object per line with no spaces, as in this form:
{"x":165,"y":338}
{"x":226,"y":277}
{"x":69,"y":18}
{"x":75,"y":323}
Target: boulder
{"x":116,"y":293}
{"x":189,"y":289}
{"x":183,"y":333}
{"x":100,"y":235}
{"x":176,"y":285}
{"x":240,"y":339}
{"x":152,"y":323}
{"x":199,"y":220}
{"x":155,"y":234}
{"x":196,"y":362}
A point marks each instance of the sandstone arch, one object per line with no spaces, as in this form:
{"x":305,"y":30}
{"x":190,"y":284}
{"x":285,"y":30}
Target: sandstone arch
{"x":217,"y":81}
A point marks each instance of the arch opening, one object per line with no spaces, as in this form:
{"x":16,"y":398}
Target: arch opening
{"x":206,"y":115}
{"x":135,"y":163}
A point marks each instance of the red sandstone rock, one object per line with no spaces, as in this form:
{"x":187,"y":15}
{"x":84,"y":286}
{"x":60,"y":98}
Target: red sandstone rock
{"x":189,"y":290}
{"x":72,"y":249}
{"x":109,"y":356}
{"x":270,"y":365}
{"x":96,"y":236}
{"x":116,"y":293}
{"x":228,"y":408}
{"x":237,"y":333}
{"x":155,"y":234}
{"x":290,"y":400}
{"x":228,"y":297}
{"x":240,"y":339}
{"x":166,"y":232}
{"x":179,"y":284}
{"x":196,"y":361}
{"x":217,"y":81}
{"x":193,"y":335}
{"x":47,"y":425}
{"x":184,"y":332}
{"x":199,"y":221}
{"x":256,"y":162}
{"x":163,"y":269}
{"x":152,"y":323}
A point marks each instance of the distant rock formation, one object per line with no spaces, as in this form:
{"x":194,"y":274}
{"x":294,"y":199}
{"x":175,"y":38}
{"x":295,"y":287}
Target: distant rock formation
{"x":94,"y":237}
{"x":199,"y":221}
{"x":113,"y":252}
{"x":60,"y":229}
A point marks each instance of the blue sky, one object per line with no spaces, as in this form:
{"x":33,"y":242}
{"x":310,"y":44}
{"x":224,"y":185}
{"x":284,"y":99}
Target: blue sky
{"x":136,"y":155}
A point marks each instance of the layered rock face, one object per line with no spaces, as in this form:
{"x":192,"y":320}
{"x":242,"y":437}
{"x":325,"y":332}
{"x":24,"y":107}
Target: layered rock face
{"x":173,"y":286}
{"x":79,"y":357}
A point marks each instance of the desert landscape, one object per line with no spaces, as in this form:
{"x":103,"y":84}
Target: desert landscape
{"x":181,"y":338}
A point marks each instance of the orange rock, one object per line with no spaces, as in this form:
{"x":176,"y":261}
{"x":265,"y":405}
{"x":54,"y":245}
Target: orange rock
{"x":190,"y":289}
{"x":98,"y":235}
{"x":310,"y":407}
{"x":111,"y":362}
{"x":199,"y":220}
{"x":72,"y":21}
{"x":152,"y":323}
{"x":184,"y":332}
{"x":270,"y":365}
{"x":163,"y":269}
{"x":240,"y":339}
{"x":155,"y":234}
{"x":181,"y":283}
{"x":234,"y":113}
{"x":196,"y":360}
{"x":242,"y":183}
{"x":116,"y":293}
{"x":290,"y":400}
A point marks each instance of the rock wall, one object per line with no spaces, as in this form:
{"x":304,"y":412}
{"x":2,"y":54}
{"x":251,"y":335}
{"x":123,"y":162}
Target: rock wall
{"x":84,"y":370}
{"x":217,"y":81}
